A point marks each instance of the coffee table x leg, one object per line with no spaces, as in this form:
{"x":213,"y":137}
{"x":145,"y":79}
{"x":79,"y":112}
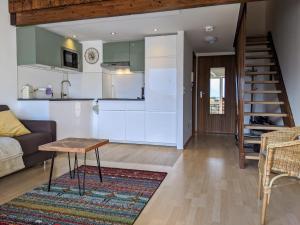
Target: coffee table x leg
{"x":51,"y":171}
{"x":76,"y":168}
{"x":98,"y":163}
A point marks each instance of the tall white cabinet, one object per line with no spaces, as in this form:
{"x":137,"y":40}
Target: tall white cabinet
{"x":161,"y":89}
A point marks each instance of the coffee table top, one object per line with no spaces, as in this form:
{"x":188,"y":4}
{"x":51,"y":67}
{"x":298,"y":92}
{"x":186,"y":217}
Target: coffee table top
{"x":78,"y":145}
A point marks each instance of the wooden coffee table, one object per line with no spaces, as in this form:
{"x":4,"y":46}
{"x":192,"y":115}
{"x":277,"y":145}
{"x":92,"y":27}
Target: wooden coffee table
{"x":75,"y":145}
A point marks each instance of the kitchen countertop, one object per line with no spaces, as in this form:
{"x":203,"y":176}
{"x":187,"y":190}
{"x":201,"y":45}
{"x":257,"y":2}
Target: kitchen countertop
{"x":79,"y":99}
{"x":121,"y":99}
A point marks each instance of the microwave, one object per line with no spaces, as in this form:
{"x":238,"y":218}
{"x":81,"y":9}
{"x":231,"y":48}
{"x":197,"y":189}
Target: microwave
{"x":70,"y":59}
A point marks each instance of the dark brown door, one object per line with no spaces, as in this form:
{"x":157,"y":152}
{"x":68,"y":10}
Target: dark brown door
{"x":216,"y":94}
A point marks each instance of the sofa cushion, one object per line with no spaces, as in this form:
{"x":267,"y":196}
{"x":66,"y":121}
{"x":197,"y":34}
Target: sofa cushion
{"x":3,"y":108}
{"x":10,"y":126}
{"x":31,"y":142}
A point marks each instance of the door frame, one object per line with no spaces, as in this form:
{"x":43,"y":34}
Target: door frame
{"x":194,"y":94}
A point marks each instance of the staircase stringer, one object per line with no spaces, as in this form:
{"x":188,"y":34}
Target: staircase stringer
{"x":240,"y":47}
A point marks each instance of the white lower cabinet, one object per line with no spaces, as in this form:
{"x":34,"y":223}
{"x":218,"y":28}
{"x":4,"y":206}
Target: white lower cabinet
{"x":160,"y":127}
{"x":135,"y":126}
{"x":112,"y":125}
{"x":73,"y":118}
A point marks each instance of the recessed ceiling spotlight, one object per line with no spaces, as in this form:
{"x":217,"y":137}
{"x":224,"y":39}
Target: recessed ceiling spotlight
{"x":155,"y":29}
{"x":210,"y":39}
{"x":209,"y":28}
{"x":113,"y":33}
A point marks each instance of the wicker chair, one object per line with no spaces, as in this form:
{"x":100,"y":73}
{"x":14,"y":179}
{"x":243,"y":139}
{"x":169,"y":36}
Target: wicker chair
{"x":280,"y":155}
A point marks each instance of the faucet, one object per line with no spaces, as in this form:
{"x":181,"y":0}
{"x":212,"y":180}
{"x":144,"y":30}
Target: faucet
{"x":62,"y":94}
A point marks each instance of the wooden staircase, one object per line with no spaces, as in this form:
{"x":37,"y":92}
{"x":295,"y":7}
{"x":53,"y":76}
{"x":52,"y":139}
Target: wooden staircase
{"x":262,"y":94}
{"x":260,"y":90}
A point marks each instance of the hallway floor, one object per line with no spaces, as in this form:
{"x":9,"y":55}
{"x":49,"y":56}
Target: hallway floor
{"x":204,"y":187}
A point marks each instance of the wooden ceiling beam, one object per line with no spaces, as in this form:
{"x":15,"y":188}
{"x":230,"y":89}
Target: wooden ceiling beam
{"x":16,"y":6}
{"x":32,"y":12}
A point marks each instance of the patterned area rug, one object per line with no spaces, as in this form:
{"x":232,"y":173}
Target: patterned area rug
{"x":118,"y":200}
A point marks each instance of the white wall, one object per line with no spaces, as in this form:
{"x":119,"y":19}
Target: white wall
{"x":187,"y":91}
{"x":256,"y":19}
{"x":89,"y":83}
{"x":184,"y":89}
{"x":8,"y":59}
{"x":283,"y":20}
{"x":39,"y":78}
{"x":122,"y":84}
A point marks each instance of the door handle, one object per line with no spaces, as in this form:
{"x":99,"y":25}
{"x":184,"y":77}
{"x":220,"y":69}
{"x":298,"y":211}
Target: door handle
{"x":201,"y":94}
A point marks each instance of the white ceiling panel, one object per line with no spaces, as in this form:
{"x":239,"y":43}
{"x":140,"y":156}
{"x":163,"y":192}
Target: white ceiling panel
{"x":133,"y":27}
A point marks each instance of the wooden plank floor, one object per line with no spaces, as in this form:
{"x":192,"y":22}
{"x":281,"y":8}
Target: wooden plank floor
{"x":204,"y":187}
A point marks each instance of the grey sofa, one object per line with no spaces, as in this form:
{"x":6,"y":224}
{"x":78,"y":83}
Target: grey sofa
{"x":43,"y":132}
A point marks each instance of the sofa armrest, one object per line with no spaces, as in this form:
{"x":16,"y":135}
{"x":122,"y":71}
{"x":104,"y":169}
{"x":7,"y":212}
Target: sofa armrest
{"x":43,"y":126}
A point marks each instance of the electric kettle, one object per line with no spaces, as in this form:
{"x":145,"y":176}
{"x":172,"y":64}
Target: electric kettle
{"x":27,"y":91}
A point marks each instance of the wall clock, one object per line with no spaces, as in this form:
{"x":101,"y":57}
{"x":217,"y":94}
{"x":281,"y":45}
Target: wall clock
{"x":91,"y":55}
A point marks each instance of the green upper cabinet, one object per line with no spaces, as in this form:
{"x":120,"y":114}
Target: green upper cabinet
{"x":132,"y":52}
{"x":36,"y":45}
{"x":116,"y":52}
{"x":137,"y":55}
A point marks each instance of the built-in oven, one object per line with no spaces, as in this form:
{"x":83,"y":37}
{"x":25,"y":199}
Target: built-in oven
{"x":70,"y":59}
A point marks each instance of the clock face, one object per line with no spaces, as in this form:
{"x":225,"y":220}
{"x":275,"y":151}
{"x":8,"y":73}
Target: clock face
{"x":91,"y":55}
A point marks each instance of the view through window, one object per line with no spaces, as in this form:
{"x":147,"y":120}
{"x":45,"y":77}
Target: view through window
{"x":217,"y":91}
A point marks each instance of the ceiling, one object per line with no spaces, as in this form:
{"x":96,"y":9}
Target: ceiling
{"x":134,"y":27}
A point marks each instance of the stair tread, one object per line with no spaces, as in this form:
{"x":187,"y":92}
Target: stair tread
{"x":263,"y":82}
{"x":264,"y":102}
{"x":263,"y":91}
{"x":260,"y":64}
{"x":252,"y":140}
{"x":261,"y":73}
{"x":255,"y":43}
{"x":259,"y":57}
{"x":252,"y":156}
{"x":265,"y":114}
{"x":263,"y":127}
{"x":258,"y":36}
{"x":258,"y":49}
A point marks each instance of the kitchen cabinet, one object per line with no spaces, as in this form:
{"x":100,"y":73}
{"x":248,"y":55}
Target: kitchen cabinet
{"x":161,"y":84}
{"x":137,"y":55}
{"x":73,"y":118}
{"x":160,"y":127}
{"x":38,"y":46}
{"x":135,"y":105}
{"x":112,"y":105}
{"x":161,"y":90}
{"x":122,"y":121}
{"x":132,"y":52}
{"x":116,"y":52}
{"x":112,"y":125}
{"x":135,"y":126}
{"x":123,"y":126}
{"x":161,"y":46}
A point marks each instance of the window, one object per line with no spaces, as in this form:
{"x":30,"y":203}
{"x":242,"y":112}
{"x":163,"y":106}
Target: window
{"x":217,"y":91}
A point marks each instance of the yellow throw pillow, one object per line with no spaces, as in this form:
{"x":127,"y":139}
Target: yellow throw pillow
{"x":10,"y":126}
